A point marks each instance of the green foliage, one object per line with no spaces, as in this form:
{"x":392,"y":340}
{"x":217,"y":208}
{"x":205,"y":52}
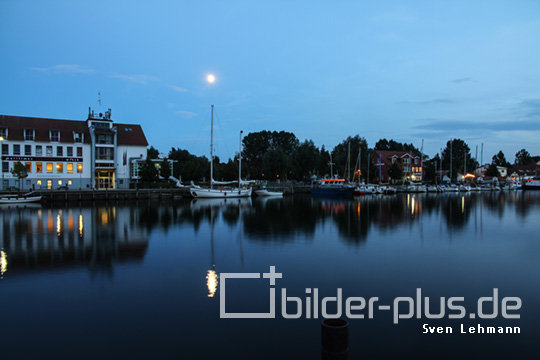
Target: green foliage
{"x":457,"y":151}
{"x":19,"y":171}
{"x":395,"y":172}
{"x":305,"y":160}
{"x":491,"y":170}
{"x":153,"y":152}
{"x":275,"y":164}
{"x":148,"y":171}
{"x":392,"y":145}
{"x":165,"y":169}
{"x":500,"y":160}
{"x":340,"y":153}
{"x":523,"y":157}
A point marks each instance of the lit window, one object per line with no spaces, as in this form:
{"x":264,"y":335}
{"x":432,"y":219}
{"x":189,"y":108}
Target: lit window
{"x":28,"y":167}
{"x":70,"y":168}
{"x":79,"y":168}
{"x":70,"y":182}
{"x":39,"y":167}
{"x":49,"y":167}
{"x":60,"y":182}
{"x":39,"y":182}
{"x":59,"y":168}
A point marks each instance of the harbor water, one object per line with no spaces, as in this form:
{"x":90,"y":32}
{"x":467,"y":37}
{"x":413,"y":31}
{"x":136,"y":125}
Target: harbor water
{"x":144,"y":279}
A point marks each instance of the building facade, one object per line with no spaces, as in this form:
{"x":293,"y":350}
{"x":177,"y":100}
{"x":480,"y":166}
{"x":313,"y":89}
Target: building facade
{"x":96,"y":153}
{"x":409,"y":163}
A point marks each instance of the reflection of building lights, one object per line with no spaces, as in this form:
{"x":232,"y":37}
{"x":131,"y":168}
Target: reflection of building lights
{"x":211,"y":282}
{"x":81,"y":225}
{"x":104,"y":218}
{"x":3,"y":263}
{"x":412,"y":205}
{"x":58,"y":224}
{"x":463,"y":204}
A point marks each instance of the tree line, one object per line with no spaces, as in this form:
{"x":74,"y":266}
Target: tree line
{"x":279,"y":155}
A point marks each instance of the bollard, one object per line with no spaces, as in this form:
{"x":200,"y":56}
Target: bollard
{"x":335,"y":339}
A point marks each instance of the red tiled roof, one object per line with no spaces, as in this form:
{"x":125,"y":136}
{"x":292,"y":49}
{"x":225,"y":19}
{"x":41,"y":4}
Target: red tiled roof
{"x":127,"y":134}
{"x":130,"y":135}
{"x":41,"y":126}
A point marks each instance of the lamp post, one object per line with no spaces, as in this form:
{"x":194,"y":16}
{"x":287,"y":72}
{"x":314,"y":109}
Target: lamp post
{"x":2,"y":147}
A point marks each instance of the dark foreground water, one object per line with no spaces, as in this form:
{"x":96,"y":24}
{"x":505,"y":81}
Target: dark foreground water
{"x":142,"y":280}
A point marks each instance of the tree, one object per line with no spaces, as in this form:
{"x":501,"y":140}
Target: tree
{"x":395,"y":172}
{"x":275,"y":164}
{"x":359,"y":146}
{"x":152,"y":153}
{"x":392,"y":145}
{"x":500,"y":160}
{"x":454,"y":155}
{"x":304,"y":160}
{"x":20,"y":172}
{"x":523,"y":157}
{"x":491,"y":170}
{"x":148,"y":171}
{"x":165,"y":169}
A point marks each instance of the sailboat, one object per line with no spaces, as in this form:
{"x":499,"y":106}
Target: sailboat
{"x":220,"y":192}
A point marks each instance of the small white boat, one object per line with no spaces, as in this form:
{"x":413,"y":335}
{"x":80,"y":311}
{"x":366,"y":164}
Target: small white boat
{"x":265,"y":192}
{"x":20,"y":199}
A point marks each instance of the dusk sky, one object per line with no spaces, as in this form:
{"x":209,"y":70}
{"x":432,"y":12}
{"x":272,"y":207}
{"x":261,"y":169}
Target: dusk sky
{"x":324,"y":70}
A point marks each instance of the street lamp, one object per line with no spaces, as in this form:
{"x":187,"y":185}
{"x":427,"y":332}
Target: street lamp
{"x":2,"y":147}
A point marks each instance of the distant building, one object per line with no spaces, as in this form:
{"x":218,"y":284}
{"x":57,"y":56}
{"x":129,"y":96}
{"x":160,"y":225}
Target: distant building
{"x":409,"y":163}
{"x":95,"y":153}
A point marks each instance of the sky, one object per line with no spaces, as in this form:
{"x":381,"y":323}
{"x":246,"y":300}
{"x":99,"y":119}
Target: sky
{"x":323,"y":70}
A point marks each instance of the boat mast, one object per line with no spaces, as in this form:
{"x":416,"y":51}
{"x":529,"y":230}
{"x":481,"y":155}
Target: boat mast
{"x":240,"y":162}
{"x":212,"y":147}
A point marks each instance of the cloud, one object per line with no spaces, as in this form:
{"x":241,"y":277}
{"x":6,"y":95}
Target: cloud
{"x":461,"y":80}
{"x":64,"y":69}
{"x":186,"y":114}
{"x":486,"y":126}
{"x":138,"y":79}
{"x":177,"y":88}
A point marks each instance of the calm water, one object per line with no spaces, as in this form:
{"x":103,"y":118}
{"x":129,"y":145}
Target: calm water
{"x":141,"y":280}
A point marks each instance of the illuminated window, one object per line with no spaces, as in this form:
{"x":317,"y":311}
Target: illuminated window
{"x":59,"y":168}
{"x":70,"y":182}
{"x":70,"y":168}
{"x":79,"y":168}
{"x":39,"y":182}
{"x":38,"y":167}
{"x":60,"y":182}
{"x":28,"y":167}
{"x":49,"y":167}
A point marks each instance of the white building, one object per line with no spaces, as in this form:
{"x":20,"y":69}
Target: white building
{"x":95,"y":153}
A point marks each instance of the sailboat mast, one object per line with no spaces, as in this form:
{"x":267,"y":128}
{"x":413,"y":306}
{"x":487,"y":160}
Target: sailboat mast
{"x":240,"y":162}
{"x":212,"y":147}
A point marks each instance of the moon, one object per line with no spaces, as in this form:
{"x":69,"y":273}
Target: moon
{"x":210,"y":78}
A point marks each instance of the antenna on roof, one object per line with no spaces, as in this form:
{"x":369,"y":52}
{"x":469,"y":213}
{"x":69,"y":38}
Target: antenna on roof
{"x":99,"y":100}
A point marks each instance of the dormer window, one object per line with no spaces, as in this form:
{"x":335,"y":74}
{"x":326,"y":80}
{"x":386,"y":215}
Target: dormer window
{"x":54,"y":135}
{"x":78,"y":137}
{"x":3,"y":133}
{"x":29,"y":134}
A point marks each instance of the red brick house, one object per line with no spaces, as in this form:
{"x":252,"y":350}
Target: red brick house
{"x":409,"y":163}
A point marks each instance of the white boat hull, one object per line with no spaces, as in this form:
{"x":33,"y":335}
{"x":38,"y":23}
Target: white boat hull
{"x":264,"y":192}
{"x":220,"y":193}
{"x":19,"y":200}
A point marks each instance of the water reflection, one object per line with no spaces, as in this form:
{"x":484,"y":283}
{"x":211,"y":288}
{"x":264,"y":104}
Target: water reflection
{"x":41,"y":238}
{"x":101,"y":236}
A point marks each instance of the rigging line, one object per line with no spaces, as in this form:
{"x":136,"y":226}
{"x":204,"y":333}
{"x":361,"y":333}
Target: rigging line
{"x":222,"y":136}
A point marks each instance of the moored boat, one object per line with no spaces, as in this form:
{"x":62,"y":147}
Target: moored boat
{"x":333,"y":187}
{"x":20,"y":199}
{"x":265,"y":192}
{"x":531,"y":184}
